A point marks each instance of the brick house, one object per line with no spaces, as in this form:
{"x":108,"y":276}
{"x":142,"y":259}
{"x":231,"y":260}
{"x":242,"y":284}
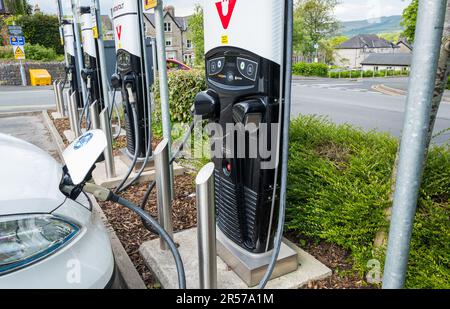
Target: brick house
{"x":178,"y":44}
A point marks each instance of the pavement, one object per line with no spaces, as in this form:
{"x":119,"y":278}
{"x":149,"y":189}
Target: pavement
{"x":355,"y":102}
{"x":32,"y":128}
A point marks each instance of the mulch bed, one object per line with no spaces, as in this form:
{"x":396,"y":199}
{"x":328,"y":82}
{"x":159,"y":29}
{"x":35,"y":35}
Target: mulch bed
{"x":335,"y":258}
{"x":128,"y":226}
{"x":132,"y":233}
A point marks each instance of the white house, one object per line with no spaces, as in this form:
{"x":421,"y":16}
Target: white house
{"x":352,"y":52}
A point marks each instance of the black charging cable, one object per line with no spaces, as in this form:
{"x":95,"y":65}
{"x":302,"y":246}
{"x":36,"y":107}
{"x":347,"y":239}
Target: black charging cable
{"x":104,"y":194}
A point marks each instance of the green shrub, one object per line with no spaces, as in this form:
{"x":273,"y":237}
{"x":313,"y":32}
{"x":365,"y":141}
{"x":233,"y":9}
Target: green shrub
{"x":39,"y":52}
{"x":183,"y":87}
{"x":448,"y":83}
{"x":42,"y":29}
{"x":339,"y":186}
{"x":6,"y":52}
{"x":310,"y":69}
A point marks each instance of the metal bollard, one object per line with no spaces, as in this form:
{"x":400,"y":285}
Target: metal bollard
{"x":95,"y":120}
{"x":69,"y":111}
{"x":57,"y":98}
{"x":105,"y":125}
{"x":206,"y":227}
{"x":162,"y":178}
{"x":62,"y":107}
{"x":75,"y":115}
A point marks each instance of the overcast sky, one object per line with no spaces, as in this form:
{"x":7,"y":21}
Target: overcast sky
{"x":347,"y":10}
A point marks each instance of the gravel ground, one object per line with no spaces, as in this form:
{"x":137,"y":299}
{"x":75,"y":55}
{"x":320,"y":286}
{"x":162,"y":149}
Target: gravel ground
{"x":132,"y":233}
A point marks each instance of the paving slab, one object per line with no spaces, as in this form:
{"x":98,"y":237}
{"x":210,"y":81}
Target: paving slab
{"x":32,"y":128}
{"x":163,"y":266}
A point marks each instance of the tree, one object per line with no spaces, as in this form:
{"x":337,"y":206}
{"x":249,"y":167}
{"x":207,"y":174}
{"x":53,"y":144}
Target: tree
{"x":197,"y":35}
{"x":41,"y":29}
{"x":409,"y":20}
{"x":314,"y":21}
{"x":18,"y":7}
{"x":329,"y":46}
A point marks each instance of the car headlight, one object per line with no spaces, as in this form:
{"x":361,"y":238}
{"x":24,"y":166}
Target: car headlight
{"x":28,"y":239}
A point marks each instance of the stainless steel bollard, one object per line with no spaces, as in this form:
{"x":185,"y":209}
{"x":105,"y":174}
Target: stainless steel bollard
{"x":69,"y":110}
{"x":162,"y":178}
{"x":62,"y":107}
{"x":93,"y":112}
{"x":105,"y":125}
{"x":75,"y":115}
{"x":206,"y":227}
{"x":57,"y":98}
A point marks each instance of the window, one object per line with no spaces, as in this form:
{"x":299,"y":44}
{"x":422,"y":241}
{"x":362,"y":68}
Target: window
{"x":168,"y":27}
{"x":169,"y":42}
{"x":189,"y":43}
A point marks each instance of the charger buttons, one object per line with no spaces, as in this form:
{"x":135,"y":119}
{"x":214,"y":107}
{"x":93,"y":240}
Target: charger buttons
{"x":247,"y":68}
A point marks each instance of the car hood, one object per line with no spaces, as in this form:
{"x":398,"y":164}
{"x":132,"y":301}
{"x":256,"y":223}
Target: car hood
{"x":29,"y":178}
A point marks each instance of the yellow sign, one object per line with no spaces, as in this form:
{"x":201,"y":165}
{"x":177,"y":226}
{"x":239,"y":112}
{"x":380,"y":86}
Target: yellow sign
{"x":95,"y":31}
{"x":224,"y":39}
{"x":19,"y":54}
{"x":150,"y":4}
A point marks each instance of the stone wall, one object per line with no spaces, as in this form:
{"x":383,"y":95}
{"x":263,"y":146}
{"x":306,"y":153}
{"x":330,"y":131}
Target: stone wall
{"x":10,"y":71}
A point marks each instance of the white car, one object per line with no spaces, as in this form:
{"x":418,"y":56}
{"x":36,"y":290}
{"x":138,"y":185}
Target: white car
{"x":47,"y":240}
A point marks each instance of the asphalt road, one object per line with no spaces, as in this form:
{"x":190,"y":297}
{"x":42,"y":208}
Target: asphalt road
{"x":354,"y":102}
{"x":343,"y":101}
{"x":20,"y":99}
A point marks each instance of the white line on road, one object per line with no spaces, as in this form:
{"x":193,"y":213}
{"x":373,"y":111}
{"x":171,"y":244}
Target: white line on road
{"x":22,"y":107}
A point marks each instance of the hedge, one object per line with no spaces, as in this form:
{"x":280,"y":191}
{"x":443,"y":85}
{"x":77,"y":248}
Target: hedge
{"x":183,"y":87}
{"x":339,"y":184}
{"x":32,"y":52}
{"x":368,"y":73}
{"x":310,"y":69}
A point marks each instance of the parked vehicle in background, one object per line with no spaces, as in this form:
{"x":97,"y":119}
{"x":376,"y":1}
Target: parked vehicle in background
{"x":175,"y":65}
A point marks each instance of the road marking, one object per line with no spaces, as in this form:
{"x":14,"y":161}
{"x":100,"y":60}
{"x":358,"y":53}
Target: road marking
{"x":21,"y":107}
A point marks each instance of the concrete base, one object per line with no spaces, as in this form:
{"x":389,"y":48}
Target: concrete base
{"x":251,"y":267}
{"x":163,"y":266}
{"x":99,"y":174}
{"x":57,"y":115}
{"x":128,"y":161}
{"x":70,"y":136}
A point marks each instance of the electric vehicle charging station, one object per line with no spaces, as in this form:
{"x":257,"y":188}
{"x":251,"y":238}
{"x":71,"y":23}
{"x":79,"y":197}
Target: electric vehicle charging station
{"x":131,"y":79}
{"x":91,"y":72}
{"x":245,"y":71}
{"x":72,"y":68}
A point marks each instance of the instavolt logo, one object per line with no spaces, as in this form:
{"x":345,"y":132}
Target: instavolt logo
{"x":225,"y":9}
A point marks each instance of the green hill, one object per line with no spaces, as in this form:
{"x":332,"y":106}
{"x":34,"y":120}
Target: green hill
{"x":386,"y":24}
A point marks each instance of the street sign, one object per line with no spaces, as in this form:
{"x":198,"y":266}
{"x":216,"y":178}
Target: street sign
{"x":150,"y":4}
{"x":19,"y":53}
{"x":17,"y":41}
{"x":15,"y":30}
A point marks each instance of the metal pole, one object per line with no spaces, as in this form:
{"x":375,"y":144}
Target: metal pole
{"x":163,"y":86}
{"x":155,"y":60}
{"x":79,"y":53}
{"x":429,"y":30}
{"x":102,"y":56}
{"x":105,"y":125}
{"x":93,"y":111}
{"x":206,"y":227}
{"x":161,"y":155}
{"x":22,"y":74}
{"x":75,"y":115}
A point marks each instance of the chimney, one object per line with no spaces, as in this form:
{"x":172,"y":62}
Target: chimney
{"x":170,"y":9}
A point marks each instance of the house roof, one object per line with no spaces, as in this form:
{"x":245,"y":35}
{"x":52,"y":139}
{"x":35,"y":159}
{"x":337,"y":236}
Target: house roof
{"x":181,"y":22}
{"x":390,"y":59}
{"x":366,"y":41}
{"x":405,"y":42}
